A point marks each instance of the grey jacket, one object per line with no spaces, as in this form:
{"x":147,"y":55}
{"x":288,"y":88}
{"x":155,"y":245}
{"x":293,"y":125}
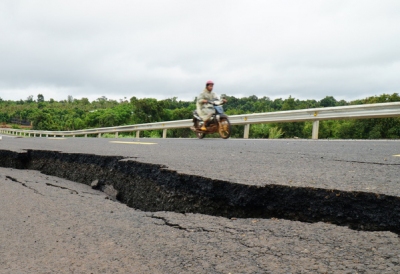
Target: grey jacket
{"x":205,"y":110}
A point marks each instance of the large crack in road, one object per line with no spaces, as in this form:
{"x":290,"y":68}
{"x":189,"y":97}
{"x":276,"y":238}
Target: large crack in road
{"x":153,"y":188}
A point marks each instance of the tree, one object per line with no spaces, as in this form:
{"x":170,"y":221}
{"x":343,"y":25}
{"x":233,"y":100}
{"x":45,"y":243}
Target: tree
{"x":40,"y":98}
{"x":147,"y":110}
{"x":277,"y":104}
{"x":70,"y":99}
{"x":29,"y":99}
{"x":84,"y":101}
{"x":328,"y":101}
{"x":289,"y":104}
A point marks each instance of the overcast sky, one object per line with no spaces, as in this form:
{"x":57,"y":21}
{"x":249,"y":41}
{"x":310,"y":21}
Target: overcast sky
{"x":161,"y":49}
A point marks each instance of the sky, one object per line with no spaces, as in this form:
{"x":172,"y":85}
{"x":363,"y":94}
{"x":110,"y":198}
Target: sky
{"x":162,"y":49}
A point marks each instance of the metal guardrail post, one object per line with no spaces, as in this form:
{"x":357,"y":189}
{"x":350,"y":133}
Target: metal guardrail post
{"x":246,"y":131}
{"x":315,"y":129}
{"x":164,"y":133}
{"x":138,"y":134}
{"x":99,"y":135}
{"x":116,"y":134}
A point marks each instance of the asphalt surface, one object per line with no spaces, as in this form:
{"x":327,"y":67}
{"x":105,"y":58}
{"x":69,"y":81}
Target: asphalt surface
{"x":53,"y":225}
{"x":369,"y":166}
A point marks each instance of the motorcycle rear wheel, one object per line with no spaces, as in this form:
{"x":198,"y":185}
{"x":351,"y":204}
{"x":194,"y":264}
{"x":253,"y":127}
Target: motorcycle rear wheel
{"x":224,"y":128}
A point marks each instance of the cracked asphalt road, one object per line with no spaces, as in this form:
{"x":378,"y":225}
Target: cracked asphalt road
{"x":51,"y":225}
{"x":350,"y":165}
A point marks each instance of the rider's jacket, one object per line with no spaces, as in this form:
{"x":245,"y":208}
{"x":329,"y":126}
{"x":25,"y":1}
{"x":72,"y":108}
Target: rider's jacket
{"x":205,"y":110}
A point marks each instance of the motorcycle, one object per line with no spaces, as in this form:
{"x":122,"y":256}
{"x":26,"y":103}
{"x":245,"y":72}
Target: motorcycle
{"x":218,"y":122}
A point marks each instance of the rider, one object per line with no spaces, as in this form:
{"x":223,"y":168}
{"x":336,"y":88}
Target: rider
{"x":204,"y":108}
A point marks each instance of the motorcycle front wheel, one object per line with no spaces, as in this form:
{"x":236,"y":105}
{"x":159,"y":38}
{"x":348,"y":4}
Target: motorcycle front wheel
{"x":224,"y":128}
{"x":199,"y":135}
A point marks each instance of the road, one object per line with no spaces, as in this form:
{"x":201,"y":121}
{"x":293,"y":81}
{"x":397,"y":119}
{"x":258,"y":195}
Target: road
{"x":344,"y":165}
{"x":53,"y":225}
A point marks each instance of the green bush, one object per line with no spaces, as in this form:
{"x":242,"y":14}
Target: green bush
{"x":275,"y":133}
{"x":259,"y":130}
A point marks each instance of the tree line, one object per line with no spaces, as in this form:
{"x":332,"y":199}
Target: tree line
{"x":74,"y":114}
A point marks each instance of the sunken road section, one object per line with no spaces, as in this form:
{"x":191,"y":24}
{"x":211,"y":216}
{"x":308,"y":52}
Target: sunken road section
{"x":153,"y":188}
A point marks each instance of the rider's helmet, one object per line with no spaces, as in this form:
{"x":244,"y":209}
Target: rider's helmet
{"x":209,"y":82}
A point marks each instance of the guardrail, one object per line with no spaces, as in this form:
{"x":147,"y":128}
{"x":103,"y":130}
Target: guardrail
{"x":380,"y":110}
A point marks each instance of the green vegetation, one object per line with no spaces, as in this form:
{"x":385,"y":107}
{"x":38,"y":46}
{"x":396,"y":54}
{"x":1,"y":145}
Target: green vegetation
{"x":74,"y":114}
{"x":275,"y":133}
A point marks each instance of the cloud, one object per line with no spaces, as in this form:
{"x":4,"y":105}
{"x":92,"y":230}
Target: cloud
{"x":163,"y":49}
